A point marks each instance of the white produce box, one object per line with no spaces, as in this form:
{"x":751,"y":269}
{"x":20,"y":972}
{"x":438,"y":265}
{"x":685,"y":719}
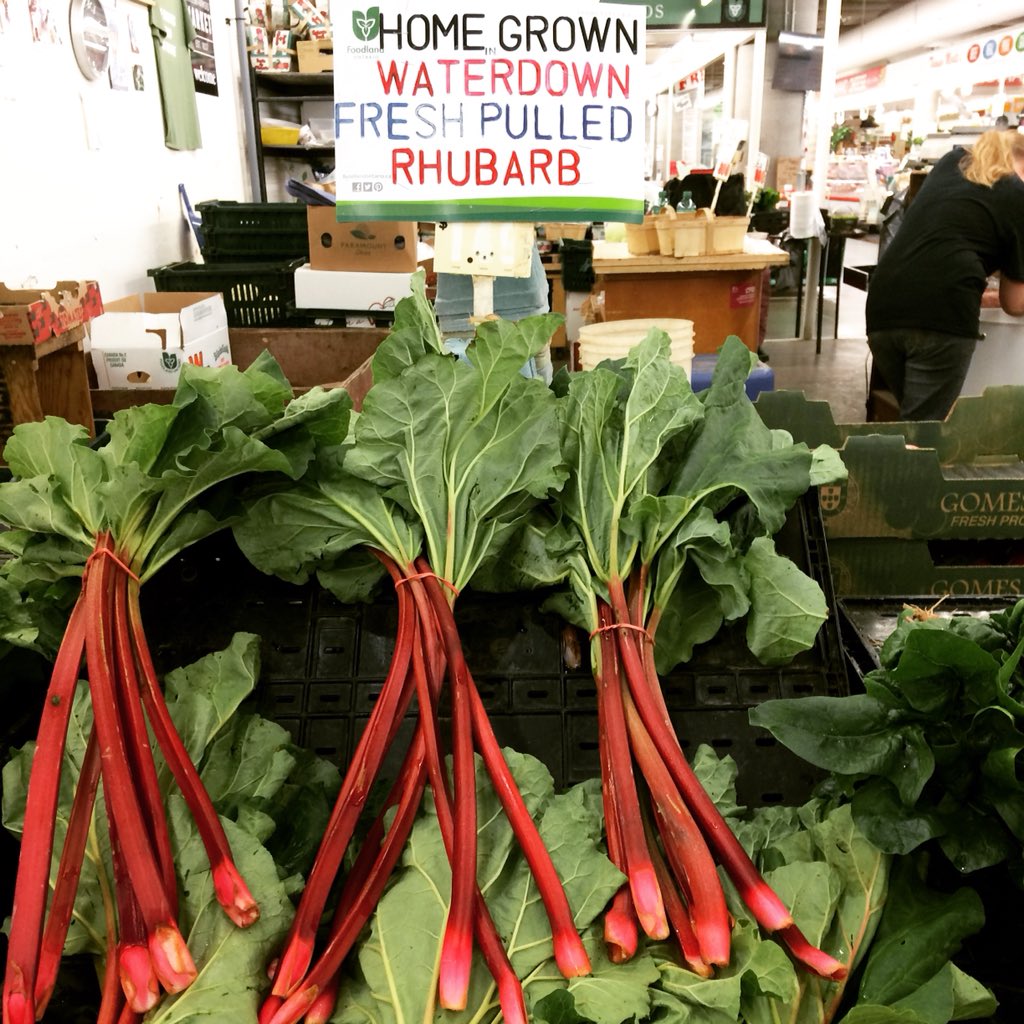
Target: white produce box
{"x":143,"y":340}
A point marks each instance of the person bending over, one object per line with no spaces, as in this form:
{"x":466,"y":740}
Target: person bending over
{"x":924,"y":297}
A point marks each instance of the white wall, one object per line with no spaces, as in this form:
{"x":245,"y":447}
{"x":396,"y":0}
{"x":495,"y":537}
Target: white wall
{"x":87,"y":187}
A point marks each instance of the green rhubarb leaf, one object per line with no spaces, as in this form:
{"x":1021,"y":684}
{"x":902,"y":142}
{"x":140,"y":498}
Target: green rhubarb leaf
{"x":610,"y":994}
{"x":302,"y":530}
{"x":247,"y":763}
{"x":18,"y":626}
{"x":734,"y":452}
{"x":304,"y":802}
{"x":787,"y":607}
{"x":203,"y":696}
{"x":414,"y":333}
{"x":466,"y":447}
{"x":614,"y":429}
{"x":55,"y":459}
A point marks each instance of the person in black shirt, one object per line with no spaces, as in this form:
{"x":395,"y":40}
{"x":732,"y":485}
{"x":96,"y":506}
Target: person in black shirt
{"x":924,"y":297}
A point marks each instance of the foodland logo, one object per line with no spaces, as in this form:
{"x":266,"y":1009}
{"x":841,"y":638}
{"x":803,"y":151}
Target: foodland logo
{"x":366,"y":24}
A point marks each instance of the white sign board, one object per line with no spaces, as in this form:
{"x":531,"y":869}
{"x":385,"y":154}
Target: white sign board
{"x":447,"y":112}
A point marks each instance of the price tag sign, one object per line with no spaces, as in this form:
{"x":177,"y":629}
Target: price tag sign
{"x":731,"y":136}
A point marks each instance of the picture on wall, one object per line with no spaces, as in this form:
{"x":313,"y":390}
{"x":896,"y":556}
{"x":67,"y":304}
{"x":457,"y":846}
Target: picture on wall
{"x":204,"y":67}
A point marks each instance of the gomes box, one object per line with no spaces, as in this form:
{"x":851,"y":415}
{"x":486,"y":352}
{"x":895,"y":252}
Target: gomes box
{"x":961,"y":478}
{"x":143,"y":340}
{"x":928,"y":508}
{"x":368,"y":245}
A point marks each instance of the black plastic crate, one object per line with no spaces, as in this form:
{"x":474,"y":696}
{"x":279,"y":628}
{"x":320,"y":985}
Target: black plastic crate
{"x":253,"y":231}
{"x":256,"y":294}
{"x":324,"y":662}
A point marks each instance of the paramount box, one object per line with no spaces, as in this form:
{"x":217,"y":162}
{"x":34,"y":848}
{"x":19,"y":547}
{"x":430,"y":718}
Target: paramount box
{"x":928,"y":508}
{"x":372,"y":245}
{"x":143,"y":340}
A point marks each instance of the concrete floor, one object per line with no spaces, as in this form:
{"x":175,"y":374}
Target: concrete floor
{"x":839,"y":373}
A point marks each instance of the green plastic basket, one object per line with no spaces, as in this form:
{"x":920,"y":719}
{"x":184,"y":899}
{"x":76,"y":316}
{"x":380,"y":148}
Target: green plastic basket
{"x":256,"y":294}
{"x":253,"y":231}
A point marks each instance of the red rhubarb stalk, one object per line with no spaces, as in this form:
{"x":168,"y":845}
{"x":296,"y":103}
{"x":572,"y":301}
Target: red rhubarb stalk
{"x":33,"y":880}
{"x":139,"y":982}
{"x":171,"y":958}
{"x":685,"y":847}
{"x":570,"y":953}
{"x":643,"y":882}
{"x":510,"y":991}
{"x":457,"y":945}
{"x":228,"y":885}
{"x":768,"y":910}
{"x":620,"y":925}
{"x":137,"y":739}
{"x":299,"y":947}
{"x":678,"y":915}
{"x":69,"y":871}
{"x":811,"y":957}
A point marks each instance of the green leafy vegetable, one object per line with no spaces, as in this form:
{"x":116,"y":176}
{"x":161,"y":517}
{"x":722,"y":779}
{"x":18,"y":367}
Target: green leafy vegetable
{"x":930,"y":750}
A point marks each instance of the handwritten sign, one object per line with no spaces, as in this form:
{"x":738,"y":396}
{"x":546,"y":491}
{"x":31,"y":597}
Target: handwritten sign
{"x":448,"y":113}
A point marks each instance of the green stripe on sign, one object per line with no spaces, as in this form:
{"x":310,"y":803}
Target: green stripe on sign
{"x":582,"y":209}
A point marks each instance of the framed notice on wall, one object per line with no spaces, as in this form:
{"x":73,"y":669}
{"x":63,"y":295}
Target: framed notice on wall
{"x":499,"y":111}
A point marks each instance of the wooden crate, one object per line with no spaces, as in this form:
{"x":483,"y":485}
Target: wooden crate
{"x":45,"y":379}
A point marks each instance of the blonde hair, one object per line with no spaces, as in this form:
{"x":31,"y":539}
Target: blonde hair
{"x":994,"y":156}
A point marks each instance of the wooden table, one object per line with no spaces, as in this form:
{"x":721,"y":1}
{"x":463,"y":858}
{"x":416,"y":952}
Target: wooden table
{"x":720,"y":293}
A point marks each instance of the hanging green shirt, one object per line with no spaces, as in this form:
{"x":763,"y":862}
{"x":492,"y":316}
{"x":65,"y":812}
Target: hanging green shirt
{"x":172,"y":33}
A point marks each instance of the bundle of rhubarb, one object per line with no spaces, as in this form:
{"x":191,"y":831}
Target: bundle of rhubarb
{"x":111,"y":516}
{"x":443,"y":461}
{"x":662,"y":533}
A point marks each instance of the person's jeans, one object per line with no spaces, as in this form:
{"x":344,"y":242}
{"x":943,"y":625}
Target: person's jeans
{"x":925,"y":370}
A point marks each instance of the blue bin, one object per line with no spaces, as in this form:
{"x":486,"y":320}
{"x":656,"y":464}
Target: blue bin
{"x":761,"y":378}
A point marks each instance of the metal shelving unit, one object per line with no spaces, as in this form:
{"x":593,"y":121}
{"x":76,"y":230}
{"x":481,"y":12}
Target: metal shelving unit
{"x":289,"y":88}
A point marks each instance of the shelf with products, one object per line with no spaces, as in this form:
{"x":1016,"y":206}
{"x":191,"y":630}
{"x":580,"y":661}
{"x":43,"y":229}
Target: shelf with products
{"x":276,"y":94}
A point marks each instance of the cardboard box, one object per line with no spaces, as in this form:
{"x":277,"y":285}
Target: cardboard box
{"x":929,"y":508}
{"x":961,"y":478}
{"x":142,"y":341}
{"x":925,"y":570}
{"x":30,"y":316}
{"x":373,"y":245}
{"x":349,"y":290}
{"x":308,"y":357}
{"x":315,"y":55}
